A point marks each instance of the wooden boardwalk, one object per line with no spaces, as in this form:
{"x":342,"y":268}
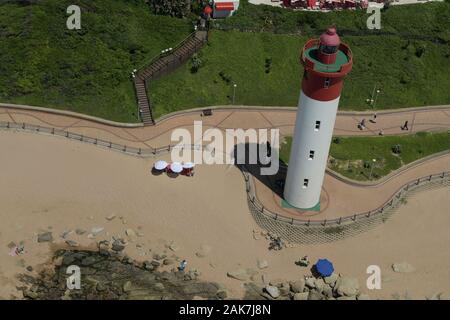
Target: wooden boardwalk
{"x":162,"y":65}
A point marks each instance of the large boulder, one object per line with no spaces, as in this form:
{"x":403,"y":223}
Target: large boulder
{"x":273,"y":291}
{"x":315,"y":295}
{"x":347,"y":286}
{"x":45,"y":237}
{"x":310,"y":282}
{"x":301,"y":296}
{"x":239,"y":274}
{"x":297,"y":286}
{"x":403,"y":267}
{"x":331,"y":280}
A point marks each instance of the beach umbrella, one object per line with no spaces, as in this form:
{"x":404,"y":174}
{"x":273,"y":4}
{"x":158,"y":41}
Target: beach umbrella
{"x":188,"y":165}
{"x":176,"y":167}
{"x":324,"y":267}
{"x":160,"y":165}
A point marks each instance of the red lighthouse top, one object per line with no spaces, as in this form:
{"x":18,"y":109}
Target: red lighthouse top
{"x":330,"y":38}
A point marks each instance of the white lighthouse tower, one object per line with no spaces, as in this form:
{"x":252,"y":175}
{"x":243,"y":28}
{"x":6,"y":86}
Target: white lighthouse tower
{"x":326,"y":62}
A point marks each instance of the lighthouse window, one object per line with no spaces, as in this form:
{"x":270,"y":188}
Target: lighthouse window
{"x":305,"y":183}
{"x":327,"y":83}
{"x":311,"y":154}
{"x":317,"y":126}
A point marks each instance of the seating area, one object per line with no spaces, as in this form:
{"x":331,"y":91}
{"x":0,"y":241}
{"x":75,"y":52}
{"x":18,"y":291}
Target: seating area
{"x":174,"y":169}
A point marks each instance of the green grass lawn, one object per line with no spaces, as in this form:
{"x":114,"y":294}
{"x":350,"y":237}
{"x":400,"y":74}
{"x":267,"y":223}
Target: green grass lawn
{"x":405,"y":79}
{"x":353,"y":156}
{"x":88,"y":70}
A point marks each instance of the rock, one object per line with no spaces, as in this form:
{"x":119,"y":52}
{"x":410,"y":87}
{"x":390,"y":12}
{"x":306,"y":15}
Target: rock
{"x":327,"y":291}
{"x":204,"y":251}
{"x":363,"y":296}
{"x":30,"y":294}
{"x":148,"y":265}
{"x":111,"y":217}
{"x":320,"y":284}
{"x":80,"y":232}
{"x":346,"y":286}
{"x":297,"y":286}
{"x":66,"y":233}
{"x":273,"y":291}
{"x":118,"y":245}
{"x":436,"y":296}
{"x":222,"y":294}
{"x":331,"y":280}
{"x":310,"y":282}
{"x":159,"y":286}
{"x":130,"y":233}
{"x":301,"y":296}
{"x":315,"y":295}
{"x":155,"y":263}
{"x":239,"y":274}
{"x":96,"y":230}
{"x":262,"y":264}
{"x":29,"y":268}
{"x":168,"y":261}
{"x":127,"y":286}
{"x":45,"y":237}
{"x":100,"y":287}
{"x":278,"y":283}
{"x":346,"y":298}
{"x":403,"y":267}
{"x":72,"y":243}
{"x":174,"y":247}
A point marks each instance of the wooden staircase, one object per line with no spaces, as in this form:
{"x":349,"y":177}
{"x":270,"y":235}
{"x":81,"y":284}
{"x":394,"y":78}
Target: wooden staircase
{"x":162,"y":65}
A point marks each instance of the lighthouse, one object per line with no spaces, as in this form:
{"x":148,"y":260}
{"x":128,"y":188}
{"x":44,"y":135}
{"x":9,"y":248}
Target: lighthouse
{"x":326,"y":62}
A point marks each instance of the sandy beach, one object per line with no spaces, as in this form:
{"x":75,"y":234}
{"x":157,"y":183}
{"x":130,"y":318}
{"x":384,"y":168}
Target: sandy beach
{"x":51,"y":184}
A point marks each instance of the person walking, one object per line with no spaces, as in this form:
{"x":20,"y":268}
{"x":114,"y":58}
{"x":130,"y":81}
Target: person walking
{"x":405,"y":126}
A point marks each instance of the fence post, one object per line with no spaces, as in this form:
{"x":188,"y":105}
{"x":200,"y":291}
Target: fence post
{"x":262,"y":209}
{"x":429,"y":179}
{"x":81,"y":138}
{"x":110,"y":144}
{"x":292,"y":221}
{"x":95,"y":142}
{"x":53,"y":130}
{"x":308,"y":223}
{"x":354,"y":218}
{"x":140,"y":151}
{"x":38,"y":128}
{"x":324,"y":222}
{"x":7,"y":125}
{"x":124,"y":148}
{"x":340,"y":220}
{"x":67,"y":134}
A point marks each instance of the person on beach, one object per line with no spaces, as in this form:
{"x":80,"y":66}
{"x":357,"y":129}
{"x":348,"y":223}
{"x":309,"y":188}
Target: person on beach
{"x":182,"y":266}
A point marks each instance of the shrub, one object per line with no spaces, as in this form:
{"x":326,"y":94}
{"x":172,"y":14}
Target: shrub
{"x":396,"y":149}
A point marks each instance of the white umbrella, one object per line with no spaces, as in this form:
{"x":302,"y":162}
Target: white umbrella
{"x":176,"y":167}
{"x":160,"y":165}
{"x":188,"y":165}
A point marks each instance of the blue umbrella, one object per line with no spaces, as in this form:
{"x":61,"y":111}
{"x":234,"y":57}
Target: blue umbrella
{"x":324,"y":267}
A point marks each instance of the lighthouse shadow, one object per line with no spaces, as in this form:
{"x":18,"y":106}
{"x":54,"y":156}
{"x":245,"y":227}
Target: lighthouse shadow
{"x":246,"y":162}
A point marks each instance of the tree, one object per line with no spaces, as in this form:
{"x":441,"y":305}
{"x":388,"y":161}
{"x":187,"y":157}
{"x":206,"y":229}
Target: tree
{"x":174,"y":8}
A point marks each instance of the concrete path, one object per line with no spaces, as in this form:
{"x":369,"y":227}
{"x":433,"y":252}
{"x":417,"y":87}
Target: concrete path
{"x":340,"y":198}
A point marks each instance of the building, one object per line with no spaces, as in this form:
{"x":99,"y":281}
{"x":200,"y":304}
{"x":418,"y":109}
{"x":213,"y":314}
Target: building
{"x":326,"y":62}
{"x":224,"y":8}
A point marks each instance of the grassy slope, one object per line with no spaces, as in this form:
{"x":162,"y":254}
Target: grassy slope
{"x":388,"y":59}
{"x":42,"y":63}
{"x":358,"y":150}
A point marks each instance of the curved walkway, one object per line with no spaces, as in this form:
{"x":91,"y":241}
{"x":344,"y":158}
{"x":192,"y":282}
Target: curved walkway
{"x":340,"y":195}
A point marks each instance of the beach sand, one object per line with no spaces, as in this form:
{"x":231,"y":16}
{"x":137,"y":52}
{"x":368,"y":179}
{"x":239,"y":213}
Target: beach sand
{"x":52,"y":184}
